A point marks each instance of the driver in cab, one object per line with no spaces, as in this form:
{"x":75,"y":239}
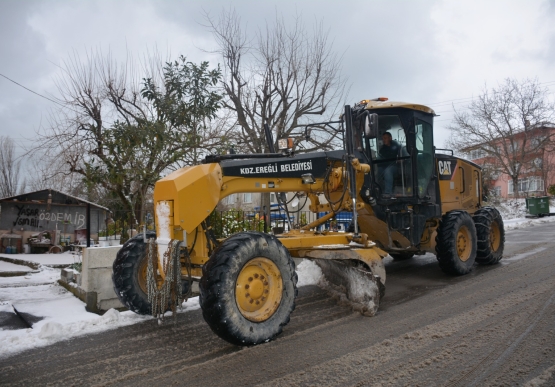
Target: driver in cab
{"x":390,"y":149}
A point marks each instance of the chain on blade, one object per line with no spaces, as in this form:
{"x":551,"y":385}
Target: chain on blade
{"x":169,"y":294}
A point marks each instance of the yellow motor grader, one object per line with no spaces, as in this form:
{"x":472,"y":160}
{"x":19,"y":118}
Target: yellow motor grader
{"x":406,"y":197}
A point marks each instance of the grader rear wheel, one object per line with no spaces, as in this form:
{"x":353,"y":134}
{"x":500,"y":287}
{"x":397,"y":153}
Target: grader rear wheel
{"x":129,"y":274}
{"x":491,"y":235}
{"x":248,"y":288}
{"x":456,"y":243}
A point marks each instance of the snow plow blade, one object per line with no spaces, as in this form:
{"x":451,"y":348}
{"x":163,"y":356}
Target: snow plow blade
{"x":355,"y":276}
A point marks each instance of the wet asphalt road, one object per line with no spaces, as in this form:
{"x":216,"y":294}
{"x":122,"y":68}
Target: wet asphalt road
{"x":495,"y":326}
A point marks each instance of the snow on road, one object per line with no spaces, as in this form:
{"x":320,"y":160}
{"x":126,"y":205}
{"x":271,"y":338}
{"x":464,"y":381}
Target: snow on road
{"x":63,"y":316}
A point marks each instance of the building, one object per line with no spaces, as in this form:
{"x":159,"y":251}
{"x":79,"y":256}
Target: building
{"x":535,"y":156}
{"x":62,"y":216}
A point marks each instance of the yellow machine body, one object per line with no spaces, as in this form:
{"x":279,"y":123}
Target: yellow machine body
{"x":192,"y":193}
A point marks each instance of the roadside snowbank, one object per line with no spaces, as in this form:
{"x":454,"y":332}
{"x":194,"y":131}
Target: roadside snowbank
{"x":63,"y":316}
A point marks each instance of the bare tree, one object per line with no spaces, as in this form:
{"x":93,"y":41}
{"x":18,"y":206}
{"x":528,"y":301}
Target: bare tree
{"x":510,"y":125}
{"x":545,"y":164}
{"x":11,"y":182}
{"x":121,"y":128}
{"x":285,"y":77}
{"x":52,"y":173}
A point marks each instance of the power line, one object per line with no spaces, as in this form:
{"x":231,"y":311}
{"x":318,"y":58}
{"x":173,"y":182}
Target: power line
{"x":40,"y":95}
{"x":471,"y":98}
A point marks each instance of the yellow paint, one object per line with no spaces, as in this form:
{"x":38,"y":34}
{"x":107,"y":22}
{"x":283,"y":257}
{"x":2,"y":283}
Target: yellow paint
{"x":258,"y":289}
{"x":464,"y":243}
{"x":195,"y":192}
{"x":495,"y":236}
{"x":460,"y":192}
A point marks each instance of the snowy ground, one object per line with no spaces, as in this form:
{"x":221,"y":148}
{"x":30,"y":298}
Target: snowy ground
{"x":7,"y":266}
{"x":64,"y":316}
{"x":66,"y":258}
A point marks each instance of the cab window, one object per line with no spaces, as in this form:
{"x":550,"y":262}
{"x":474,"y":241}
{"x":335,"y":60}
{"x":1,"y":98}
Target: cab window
{"x":424,"y":158}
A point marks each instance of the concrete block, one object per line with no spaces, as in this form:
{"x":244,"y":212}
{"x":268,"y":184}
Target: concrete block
{"x":96,"y":257}
{"x":67,"y":275}
{"x":77,"y":278}
{"x":101,"y":282}
{"x":90,"y":301}
{"x":96,"y":278}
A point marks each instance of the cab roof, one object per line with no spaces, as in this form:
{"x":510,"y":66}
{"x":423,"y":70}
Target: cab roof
{"x":373,"y":104}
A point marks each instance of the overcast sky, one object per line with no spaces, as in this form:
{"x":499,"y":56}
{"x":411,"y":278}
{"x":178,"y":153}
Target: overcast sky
{"x":430,"y":52}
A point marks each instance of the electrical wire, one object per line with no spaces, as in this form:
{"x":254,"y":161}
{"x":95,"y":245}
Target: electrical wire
{"x":40,"y":95}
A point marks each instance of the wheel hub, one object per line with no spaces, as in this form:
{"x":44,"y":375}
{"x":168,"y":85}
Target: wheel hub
{"x":463,"y":244}
{"x":258,"y":289}
{"x":495,"y":236}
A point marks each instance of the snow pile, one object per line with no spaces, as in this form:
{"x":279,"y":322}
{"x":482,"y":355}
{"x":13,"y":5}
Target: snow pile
{"x":513,"y":212}
{"x":163,"y":227}
{"x":6,"y":307}
{"x":308,"y":273}
{"x":512,"y":208}
{"x":63,"y":315}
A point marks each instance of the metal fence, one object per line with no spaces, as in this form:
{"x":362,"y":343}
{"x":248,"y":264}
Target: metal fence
{"x":227,"y":223}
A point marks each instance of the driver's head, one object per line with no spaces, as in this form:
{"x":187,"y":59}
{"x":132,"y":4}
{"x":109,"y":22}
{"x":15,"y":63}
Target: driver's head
{"x":386,"y":138}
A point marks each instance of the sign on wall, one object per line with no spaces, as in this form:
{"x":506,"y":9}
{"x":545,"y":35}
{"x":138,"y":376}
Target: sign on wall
{"x":33,"y":217}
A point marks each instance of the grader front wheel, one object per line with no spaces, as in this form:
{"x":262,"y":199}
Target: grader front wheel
{"x":248,"y":288}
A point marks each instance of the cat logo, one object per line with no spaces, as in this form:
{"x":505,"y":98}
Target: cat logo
{"x":446,"y":169}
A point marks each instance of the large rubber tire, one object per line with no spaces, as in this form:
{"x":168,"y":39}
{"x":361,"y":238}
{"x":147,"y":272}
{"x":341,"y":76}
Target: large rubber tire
{"x":456,"y":243}
{"x":401,"y":256}
{"x":491,"y":235}
{"x":223,"y":287}
{"x":129,"y":274}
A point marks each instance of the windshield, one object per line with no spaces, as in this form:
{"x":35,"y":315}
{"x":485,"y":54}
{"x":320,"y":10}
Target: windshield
{"x":391,"y":125}
{"x":392,"y":164}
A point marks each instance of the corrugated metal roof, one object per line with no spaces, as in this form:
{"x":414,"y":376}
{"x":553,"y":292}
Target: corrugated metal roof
{"x":46,"y":192}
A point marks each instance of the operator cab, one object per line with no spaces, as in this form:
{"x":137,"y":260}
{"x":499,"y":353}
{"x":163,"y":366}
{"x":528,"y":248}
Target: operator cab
{"x":396,"y":139}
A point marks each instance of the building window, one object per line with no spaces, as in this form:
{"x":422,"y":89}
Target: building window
{"x":272,"y":197}
{"x":247,"y":198}
{"x":231,"y":199}
{"x":496,"y":191}
{"x":535,"y":184}
{"x":537,"y":141}
{"x":513,"y":146}
{"x":477,"y":154}
{"x":529,"y":184}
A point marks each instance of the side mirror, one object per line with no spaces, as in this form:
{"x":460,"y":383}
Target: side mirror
{"x":371,"y":126}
